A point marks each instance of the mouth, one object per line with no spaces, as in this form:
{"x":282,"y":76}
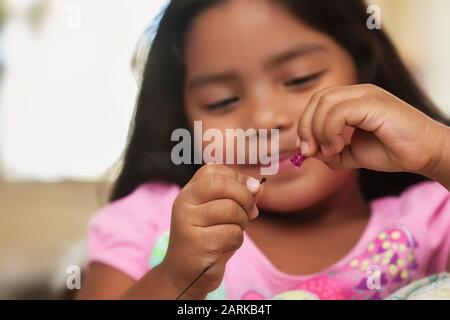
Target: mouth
{"x":284,"y":158}
{"x":286,"y":155}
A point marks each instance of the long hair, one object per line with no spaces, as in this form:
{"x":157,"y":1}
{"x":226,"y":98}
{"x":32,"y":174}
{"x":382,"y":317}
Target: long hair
{"x":159,"y":108}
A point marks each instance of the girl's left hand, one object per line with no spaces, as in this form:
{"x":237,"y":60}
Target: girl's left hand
{"x":364,"y":126}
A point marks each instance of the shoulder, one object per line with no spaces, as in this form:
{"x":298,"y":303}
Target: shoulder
{"x":150,"y":202}
{"x":122,"y":233}
{"x":423,"y":199}
{"x":428,"y":198}
{"x":426,"y":190}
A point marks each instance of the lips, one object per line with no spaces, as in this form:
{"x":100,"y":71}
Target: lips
{"x":286,"y":155}
{"x":283,"y":158}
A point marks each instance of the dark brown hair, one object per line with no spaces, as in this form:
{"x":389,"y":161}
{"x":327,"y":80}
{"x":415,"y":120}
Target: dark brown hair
{"x":160,"y":110}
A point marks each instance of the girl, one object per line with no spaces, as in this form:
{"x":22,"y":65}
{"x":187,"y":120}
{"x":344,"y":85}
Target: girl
{"x":367,"y":213}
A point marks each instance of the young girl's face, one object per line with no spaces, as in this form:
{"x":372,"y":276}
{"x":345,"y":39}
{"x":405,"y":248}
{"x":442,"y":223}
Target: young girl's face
{"x":250,"y":64}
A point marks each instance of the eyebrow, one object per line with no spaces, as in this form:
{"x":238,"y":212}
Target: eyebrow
{"x":210,"y":79}
{"x":293,"y":54}
{"x":273,"y":62}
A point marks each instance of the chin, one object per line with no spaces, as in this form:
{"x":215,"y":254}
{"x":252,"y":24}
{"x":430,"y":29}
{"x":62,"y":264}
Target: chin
{"x":287,"y":202}
{"x":301,"y":193}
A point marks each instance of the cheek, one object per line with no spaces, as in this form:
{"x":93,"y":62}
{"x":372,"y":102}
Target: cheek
{"x":297,"y":103}
{"x":251,"y":171}
{"x":215,"y":126}
{"x":192,"y":113}
{"x":217,"y":145}
{"x":345,"y":72}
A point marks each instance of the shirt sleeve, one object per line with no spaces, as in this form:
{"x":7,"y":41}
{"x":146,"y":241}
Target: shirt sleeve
{"x":428,"y":208}
{"x":439,"y":232}
{"x":122,"y":234}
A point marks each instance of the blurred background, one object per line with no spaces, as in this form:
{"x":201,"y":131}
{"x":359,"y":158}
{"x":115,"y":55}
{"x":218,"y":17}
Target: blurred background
{"x":67,"y":93}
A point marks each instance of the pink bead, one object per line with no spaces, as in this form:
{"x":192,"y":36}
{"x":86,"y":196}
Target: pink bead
{"x":297,"y":159}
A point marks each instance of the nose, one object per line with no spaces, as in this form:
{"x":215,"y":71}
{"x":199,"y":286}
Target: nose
{"x":269,"y":113}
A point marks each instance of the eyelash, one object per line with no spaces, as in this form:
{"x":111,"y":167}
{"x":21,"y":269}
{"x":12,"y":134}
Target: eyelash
{"x":303,"y":80}
{"x":221,"y":104}
{"x":295,"y":82}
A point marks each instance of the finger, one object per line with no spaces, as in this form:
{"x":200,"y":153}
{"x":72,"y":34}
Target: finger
{"x":308,"y":145}
{"x":258,"y":194}
{"x":218,"y":186}
{"x":324,"y":104}
{"x":254,"y":212}
{"x":341,"y":93}
{"x":348,"y":134}
{"x":222,"y":211}
{"x":340,"y":161}
{"x":331,"y":142}
{"x":212,"y":169}
{"x":328,"y":99}
{"x":222,"y":238}
{"x":356,"y":113}
{"x":310,"y":124}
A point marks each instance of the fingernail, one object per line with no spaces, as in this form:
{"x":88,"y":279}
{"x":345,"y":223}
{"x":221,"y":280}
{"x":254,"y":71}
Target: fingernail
{"x":253,"y":184}
{"x":297,"y":142}
{"x":254,"y":213}
{"x":304,"y":147}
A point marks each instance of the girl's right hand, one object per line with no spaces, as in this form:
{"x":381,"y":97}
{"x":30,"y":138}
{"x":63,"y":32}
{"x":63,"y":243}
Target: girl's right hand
{"x":209,"y":216}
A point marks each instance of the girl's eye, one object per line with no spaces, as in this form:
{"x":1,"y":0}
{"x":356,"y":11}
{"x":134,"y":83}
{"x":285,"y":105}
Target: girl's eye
{"x":221,"y":104}
{"x":303,"y":80}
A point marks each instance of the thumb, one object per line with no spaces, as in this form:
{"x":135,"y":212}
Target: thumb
{"x":256,"y":187}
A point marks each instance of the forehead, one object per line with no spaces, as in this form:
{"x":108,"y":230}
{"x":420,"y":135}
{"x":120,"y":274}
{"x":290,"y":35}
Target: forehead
{"x":239,"y":33}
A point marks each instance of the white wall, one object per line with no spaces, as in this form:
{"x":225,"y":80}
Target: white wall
{"x":68,"y":92}
{"x":421,"y":30}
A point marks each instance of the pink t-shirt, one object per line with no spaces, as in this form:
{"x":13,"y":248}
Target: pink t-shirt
{"x":407,"y":238}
